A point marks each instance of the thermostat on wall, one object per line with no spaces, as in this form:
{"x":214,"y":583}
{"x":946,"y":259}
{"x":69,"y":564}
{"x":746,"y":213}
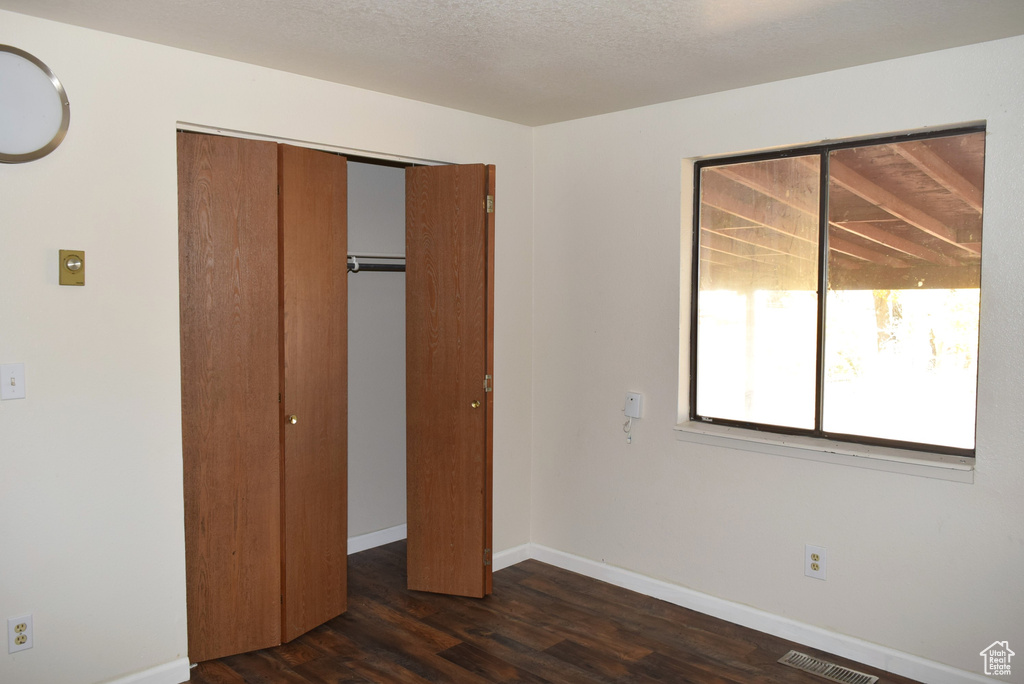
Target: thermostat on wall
{"x":72,"y":267}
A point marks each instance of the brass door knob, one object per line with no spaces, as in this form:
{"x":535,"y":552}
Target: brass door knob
{"x":293,"y":419}
{"x":475,"y":404}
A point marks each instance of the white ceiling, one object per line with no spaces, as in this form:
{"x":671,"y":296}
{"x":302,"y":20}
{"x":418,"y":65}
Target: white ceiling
{"x":542,"y":61}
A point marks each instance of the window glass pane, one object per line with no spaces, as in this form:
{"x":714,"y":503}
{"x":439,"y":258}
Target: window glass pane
{"x":901,"y":325}
{"x":757,"y":301}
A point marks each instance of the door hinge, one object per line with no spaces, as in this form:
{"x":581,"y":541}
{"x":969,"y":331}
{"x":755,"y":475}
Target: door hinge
{"x":487,"y":557}
{"x":488,"y":383}
{"x":490,"y":204}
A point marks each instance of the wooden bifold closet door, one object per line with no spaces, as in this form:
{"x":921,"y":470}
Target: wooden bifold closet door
{"x":263,"y":282}
{"x":449,"y":362}
{"x":262,"y":248}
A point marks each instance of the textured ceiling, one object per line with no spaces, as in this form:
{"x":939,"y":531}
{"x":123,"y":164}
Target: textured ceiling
{"x":541,"y":61}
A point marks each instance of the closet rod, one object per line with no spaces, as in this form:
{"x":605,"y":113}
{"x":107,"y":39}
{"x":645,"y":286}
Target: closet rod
{"x":375,"y":267}
{"x":355,"y":267}
{"x":367,"y":255}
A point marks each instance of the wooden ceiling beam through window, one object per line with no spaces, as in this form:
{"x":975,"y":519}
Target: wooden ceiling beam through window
{"x":719,"y":192}
{"x":882,"y":236}
{"x":855,"y":250}
{"x":867,"y":190}
{"x":717,"y":258}
{"x":759,"y":178}
{"x":925,"y":158}
{"x":912,"y":207}
{"x":970,"y":238}
{"x":847,"y":264}
{"x":762,"y":178}
{"x":918,"y":277}
{"x":754,"y":207}
{"x":726,"y":245}
{"x":756,"y":237}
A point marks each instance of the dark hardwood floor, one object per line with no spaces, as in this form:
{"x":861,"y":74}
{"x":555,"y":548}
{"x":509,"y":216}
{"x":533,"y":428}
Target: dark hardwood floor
{"x":542,"y":624}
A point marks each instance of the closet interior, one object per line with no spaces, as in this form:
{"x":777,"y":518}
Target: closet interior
{"x":376,"y":350}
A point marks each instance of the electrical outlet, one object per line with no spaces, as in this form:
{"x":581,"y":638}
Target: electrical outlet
{"x":19,"y":633}
{"x":814,"y":561}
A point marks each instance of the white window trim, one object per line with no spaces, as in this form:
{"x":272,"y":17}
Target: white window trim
{"x":887,"y":459}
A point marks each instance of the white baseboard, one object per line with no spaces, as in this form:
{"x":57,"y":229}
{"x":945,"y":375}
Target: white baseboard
{"x":517,"y":554}
{"x":174,"y":672}
{"x":364,"y":542}
{"x":860,"y":651}
{"x":378,"y":538}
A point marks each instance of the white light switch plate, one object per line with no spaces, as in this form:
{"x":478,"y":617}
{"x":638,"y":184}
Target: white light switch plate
{"x":12,"y":381}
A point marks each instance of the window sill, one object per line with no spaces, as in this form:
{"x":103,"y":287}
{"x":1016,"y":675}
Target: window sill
{"x":921,"y":464}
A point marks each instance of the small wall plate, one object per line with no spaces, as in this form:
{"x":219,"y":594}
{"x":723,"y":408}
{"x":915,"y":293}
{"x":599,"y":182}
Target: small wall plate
{"x":72,"y":267}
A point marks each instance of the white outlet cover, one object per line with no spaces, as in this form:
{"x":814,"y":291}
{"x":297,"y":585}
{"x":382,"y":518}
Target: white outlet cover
{"x":812,"y":555}
{"x":12,"y":633}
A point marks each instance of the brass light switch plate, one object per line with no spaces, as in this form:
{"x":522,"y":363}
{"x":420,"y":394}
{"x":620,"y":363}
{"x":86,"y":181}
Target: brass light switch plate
{"x":72,"y":267}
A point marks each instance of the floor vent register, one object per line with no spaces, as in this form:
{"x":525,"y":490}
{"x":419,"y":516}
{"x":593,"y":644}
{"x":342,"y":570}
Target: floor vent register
{"x":823,"y":668}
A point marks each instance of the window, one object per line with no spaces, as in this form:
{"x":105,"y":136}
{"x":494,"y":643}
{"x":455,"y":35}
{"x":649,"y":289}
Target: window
{"x":837,"y":289}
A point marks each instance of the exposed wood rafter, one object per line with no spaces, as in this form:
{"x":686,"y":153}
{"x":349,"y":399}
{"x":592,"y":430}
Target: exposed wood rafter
{"x":904,"y":213}
{"x":884,"y":237}
{"x":880,"y":197}
{"x":924,"y":158}
{"x":850,"y":249}
{"x":754,"y":177}
{"x":756,"y":238}
{"x":723,"y":245}
{"x":719,"y":192}
{"x":720,"y":258}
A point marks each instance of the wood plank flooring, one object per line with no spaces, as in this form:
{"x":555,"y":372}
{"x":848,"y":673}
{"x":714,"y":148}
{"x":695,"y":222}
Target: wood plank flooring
{"x":542,"y":624}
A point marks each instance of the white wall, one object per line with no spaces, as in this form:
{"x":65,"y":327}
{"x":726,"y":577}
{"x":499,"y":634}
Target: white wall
{"x":376,"y":352}
{"x":91,"y":518}
{"x":927,"y":567}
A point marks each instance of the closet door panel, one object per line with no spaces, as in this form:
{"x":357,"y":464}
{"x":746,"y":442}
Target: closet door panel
{"x":228,"y":261}
{"x":447,"y":306}
{"x":313,"y":216}
{"x":489,"y":402}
